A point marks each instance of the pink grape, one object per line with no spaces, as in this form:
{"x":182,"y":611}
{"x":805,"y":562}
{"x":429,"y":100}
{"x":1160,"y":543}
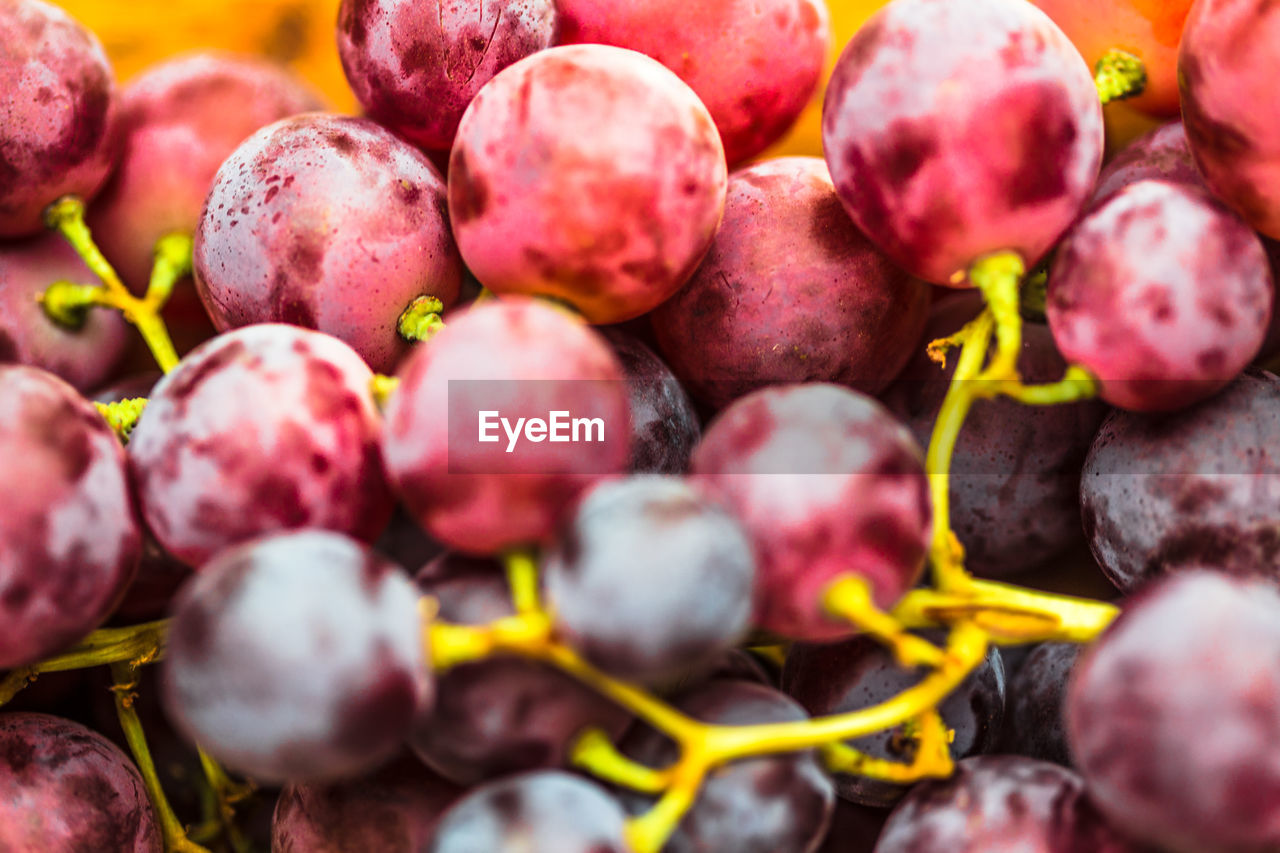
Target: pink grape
{"x":1162,"y":154}
{"x":954,"y":130}
{"x":587,"y":173}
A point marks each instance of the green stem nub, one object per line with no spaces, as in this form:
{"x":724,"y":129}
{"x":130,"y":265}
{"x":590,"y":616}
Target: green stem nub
{"x":67,"y":303}
{"x":122,"y":416}
{"x":172,"y":264}
{"x":1119,"y":75}
{"x":421,"y":320}
{"x":381,"y":387}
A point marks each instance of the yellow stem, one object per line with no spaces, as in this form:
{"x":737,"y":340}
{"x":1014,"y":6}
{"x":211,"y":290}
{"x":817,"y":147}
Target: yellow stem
{"x":595,"y":753}
{"x":849,"y":598}
{"x":522,"y":576}
{"x":1009,"y":614}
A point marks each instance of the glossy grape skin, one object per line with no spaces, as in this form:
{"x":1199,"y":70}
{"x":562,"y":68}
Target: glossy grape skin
{"x":83,"y":357}
{"x":999,"y":803}
{"x":69,"y":537}
{"x":533,"y":359}
{"x":650,"y":579}
{"x":544,"y":812}
{"x":393,"y":810}
{"x":588,"y":173}
{"x":265,"y":428}
{"x":504,"y":714}
{"x":764,"y":804}
{"x":755,"y":65}
{"x":1226,"y":68}
{"x":937,"y":180}
{"x":826,"y":483}
{"x":1034,"y":725}
{"x":58,"y":121}
{"x":1172,"y":715}
{"x":416,"y":66}
{"x":330,"y":223}
{"x":790,"y":292}
{"x":1015,"y":475}
{"x":1201,"y":487}
{"x":664,"y":425}
{"x":297,"y":657}
{"x":860,"y":672}
{"x":64,"y":788}
{"x":1163,"y":294}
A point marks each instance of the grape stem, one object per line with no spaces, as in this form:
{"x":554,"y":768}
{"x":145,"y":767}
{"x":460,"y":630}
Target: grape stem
{"x":136,"y":644}
{"x":849,"y":598}
{"x":381,"y":387}
{"x":420,"y":321}
{"x":1118,"y":75}
{"x":226,"y":794}
{"x":122,"y":415}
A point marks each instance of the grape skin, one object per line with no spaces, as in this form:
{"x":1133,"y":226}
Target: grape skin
{"x":1163,"y":154}
{"x":1034,"y":724}
{"x":297,"y":657}
{"x":664,"y":425}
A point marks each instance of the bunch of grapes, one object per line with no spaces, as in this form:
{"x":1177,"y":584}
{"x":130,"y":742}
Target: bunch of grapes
{"x":528,"y":465}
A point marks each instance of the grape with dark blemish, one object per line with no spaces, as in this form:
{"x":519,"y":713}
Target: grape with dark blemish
{"x":954,"y":130}
{"x":791,"y":291}
{"x":664,"y":425}
{"x":330,"y":223}
{"x":762,"y":804}
{"x":1162,"y":293}
{"x":416,"y":66}
{"x":65,"y":788}
{"x":650,"y":579}
{"x":69,"y":538}
{"x":1197,"y":488}
{"x":58,"y":119}
{"x":1173,"y":715}
{"x":265,"y":428}
{"x":826,"y":483}
{"x":1034,"y":725}
{"x":297,"y":657}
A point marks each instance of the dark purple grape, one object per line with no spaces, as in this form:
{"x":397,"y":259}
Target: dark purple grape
{"x":416,"y":66}
{"x":297,"y":657}
{"x":790,"y":292}
{"x":854,"y":828}
{"x":936,"y":179}
{"x":999,"y":803}
{"x":1197,"y":488}
{"x":330,"y":223}
{"x":405,"y":542}
{"x":650,"y":579}
{"x":1173,"y":715}
{"x":393,"y":810}
{"x":69,"y":537}
{"x":765,"y":804}
{"x":1162,"y":293}
{"x":544,"y":812}
{"x":861,"y":672}
{"x":826,"y":483}
{"x":58,"y":120}
{"x":664,"y":425}
{"x":64,"y":788}
{"x":503,"y":714}
{"x":1015,"y":475}
{"x":1033,"y":723}
{"x":733,"y":665}
{"x":266,"y":428}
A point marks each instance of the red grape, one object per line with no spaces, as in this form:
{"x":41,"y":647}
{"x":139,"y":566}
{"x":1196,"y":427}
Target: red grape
{"x":664,"y":425}
{"x":1034,"y":725}
{"x":1162,"y":154}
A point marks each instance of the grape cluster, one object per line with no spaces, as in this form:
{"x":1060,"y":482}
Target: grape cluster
{"x":537,"y":465}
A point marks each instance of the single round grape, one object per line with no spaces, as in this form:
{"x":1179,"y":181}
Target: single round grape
{"x":826,"y":483}
{"x":503,"y":714}
{"x":543,"y":812}
{"x":1163,"y":155}
{"x":84,"y":356}
{"x":58,"y":119}
{"x":1015,"y":473}
{"x":393,"y":810}
{"x":790,"y":292}
{"x":1000,"y":803}
{"x":835,"y":678}
{"x":1227,"y":67}
{"x":588,"y":173}
{"x":763,"y":804}
{"x":297,"y":657}
{"x":754,"y":64}
{"x":1173,"y":715}
{"x":266,"y":428}
{"x":954,"y":130}
{"x":650,"y":579}
{"x":664,"y":425}
{"x":69,"y":538}
{"x":1034,"y":725}
{"x":1163,"y":294}
{"x":513,"y":359}
{"x":1200,"y":487}
{"x":330,"y":223}
{"x":416,"y":66}
{"x":64,"y":788}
